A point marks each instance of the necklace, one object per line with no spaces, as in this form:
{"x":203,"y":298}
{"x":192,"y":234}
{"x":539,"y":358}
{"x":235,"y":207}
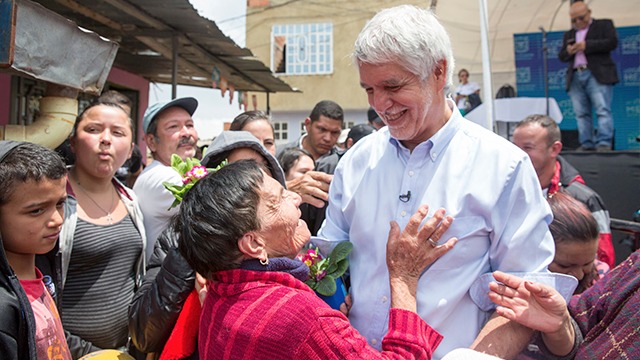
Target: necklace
{"x":109,"y":217}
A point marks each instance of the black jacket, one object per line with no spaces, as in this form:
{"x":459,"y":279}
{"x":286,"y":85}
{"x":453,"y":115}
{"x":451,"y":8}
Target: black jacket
{"x":17,"y":323}
{"x":601,"y":40}
{"x":157,"y":303}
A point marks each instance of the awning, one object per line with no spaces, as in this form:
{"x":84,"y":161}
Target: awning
{"x":147,"y":31}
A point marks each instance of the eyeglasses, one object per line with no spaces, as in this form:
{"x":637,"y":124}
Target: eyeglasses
{"x":579,"y":18}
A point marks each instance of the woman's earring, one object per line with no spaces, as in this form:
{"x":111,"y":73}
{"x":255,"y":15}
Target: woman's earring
{"x":264,"y":262}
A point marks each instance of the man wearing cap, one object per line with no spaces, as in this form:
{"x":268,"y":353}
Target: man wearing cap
{"x":169,"y":129}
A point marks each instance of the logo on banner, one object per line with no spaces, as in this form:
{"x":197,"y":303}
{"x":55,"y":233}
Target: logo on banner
{"x":557,"y":79}
{"x":630,"y":45}
{"x":631,"y":76}
{"x":523,"y":75}
{"x":521,"y":44}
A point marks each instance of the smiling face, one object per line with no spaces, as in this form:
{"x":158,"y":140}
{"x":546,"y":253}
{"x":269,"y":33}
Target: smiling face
{"x":31,"y":219}
{"x":534,"y":141}
{"x":176,"y":134}
{"x":103,"y":140}
{"x":410,"y":107}
{"x":282,"y":229}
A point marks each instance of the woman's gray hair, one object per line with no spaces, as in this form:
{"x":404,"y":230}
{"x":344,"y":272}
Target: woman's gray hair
{"x":408,"y":36}
{"x":215,"y":213}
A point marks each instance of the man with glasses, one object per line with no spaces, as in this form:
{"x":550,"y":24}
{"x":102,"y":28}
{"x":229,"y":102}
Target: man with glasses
{"x":539,"y":137}
{"x":591,"y":75}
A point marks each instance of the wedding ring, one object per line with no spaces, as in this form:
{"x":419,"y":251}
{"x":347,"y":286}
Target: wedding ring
{"x":431,"y":242}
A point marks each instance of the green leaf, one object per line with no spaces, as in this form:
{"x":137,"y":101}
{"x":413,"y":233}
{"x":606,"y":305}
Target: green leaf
{"x":332,"y":267}
{"x":340,"y":268}
{"x":341,"y":251}
{"x":175,"y":161}
{"x":326,"y":286}
{"x":312,"y":283}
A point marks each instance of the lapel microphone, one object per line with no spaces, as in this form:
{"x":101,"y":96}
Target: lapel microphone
{"x":405,"y":197}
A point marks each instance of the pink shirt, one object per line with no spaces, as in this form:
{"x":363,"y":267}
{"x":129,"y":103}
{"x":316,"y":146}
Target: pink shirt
{"x":580,"y":58}
{"x":50,"y":340}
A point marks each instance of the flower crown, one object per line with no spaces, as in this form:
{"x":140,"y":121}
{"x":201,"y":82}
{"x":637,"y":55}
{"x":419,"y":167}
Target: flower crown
{"x":191,"y":171}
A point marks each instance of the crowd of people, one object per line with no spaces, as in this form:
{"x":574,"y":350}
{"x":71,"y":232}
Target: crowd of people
{"x":91,"y":263}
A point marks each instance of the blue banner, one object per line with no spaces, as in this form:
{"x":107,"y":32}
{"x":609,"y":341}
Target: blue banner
{"x":626,"y":94}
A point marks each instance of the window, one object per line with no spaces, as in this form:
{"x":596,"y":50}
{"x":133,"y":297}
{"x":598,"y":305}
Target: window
{"x":281,"y":130}
{"x":348,"y":124}
{"x":302,"y":49}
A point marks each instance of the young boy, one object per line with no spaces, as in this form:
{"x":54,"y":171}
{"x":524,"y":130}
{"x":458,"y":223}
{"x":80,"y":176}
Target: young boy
{"x":32,"y":194}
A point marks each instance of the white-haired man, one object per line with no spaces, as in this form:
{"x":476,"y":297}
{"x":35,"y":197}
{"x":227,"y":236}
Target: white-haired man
{"x":429,"y":154}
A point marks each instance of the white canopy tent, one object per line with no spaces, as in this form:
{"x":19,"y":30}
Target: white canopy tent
{"x":462,"y":19}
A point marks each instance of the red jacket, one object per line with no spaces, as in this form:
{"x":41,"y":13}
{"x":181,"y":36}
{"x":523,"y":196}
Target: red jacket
{"x":272,"y":315}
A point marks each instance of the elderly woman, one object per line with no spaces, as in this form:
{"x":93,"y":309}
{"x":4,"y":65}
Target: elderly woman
{"x":160,"y":300}
{"x":242,"y":229}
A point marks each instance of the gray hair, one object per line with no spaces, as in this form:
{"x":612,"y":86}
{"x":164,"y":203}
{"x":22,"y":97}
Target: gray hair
{"x":407,"y":35}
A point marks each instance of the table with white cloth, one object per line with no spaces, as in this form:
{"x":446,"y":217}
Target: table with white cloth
{"x":514,"y":110}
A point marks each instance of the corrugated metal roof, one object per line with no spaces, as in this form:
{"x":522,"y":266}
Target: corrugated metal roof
{"x":145,"y":30}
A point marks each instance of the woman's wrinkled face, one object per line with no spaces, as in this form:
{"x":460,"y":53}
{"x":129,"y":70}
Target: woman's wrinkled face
{"x":282,"y":229}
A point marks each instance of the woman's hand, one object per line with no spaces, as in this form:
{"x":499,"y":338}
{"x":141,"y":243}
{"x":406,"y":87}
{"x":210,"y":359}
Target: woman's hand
{"x":410,"y":252}
{"x":533,"y":305}
{"x":537,"y":306}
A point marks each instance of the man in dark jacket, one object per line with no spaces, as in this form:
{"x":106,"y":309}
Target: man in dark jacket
{"x":591,"y":74}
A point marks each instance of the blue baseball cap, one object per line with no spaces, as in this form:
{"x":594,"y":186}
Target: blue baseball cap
{"x":188,"y":103}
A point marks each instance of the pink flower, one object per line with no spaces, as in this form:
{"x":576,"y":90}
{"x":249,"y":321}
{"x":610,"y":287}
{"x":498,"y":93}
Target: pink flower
{"x":186,"y":180}
{"x":198,"y":172}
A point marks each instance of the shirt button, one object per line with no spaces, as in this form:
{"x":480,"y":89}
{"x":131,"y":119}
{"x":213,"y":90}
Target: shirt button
{"x":411,"y":173}
{"x":403,"y":213}
{"x":434,"y":156}
{"x":384,"y":299}
{"x":374,"y":341}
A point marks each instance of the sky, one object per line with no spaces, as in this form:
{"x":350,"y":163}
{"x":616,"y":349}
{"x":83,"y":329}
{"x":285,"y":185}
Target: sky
{"x":213,"y":109}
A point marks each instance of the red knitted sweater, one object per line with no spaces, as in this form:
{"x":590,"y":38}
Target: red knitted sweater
{"x":272,"y":315}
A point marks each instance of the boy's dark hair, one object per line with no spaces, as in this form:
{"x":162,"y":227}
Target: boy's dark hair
{"x":328,"y":109}
{"x":27,"y":162}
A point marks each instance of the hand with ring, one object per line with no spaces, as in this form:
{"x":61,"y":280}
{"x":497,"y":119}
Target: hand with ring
{"x":410,"y":252}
